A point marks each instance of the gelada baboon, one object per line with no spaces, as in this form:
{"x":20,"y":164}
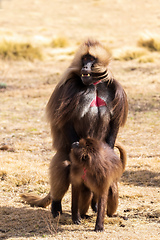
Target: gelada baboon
{"x":87,"y":102}
{"x":94,"y":168}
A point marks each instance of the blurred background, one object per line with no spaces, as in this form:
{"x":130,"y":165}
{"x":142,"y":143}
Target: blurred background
{"x":120,"y":22}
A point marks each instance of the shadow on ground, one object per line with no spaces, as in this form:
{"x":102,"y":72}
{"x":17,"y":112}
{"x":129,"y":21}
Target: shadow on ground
{"x":29,"y":222}
{"x":141,"y":178}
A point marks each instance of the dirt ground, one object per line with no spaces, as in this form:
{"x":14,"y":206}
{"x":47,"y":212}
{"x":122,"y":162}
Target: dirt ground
{"x":23,"y":127}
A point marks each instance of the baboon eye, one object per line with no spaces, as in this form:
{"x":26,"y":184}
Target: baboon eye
{"x":85,"y":158}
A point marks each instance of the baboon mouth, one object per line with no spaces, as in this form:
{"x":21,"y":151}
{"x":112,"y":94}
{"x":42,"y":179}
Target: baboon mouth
{"x":85,"y":75}
{"x":86,"y":78}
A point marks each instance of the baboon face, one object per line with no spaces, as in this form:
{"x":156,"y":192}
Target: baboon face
{"x":85,"y":151}
{"x":93,"y":60}
{"x":80,"y":153}
{"x":88,"y":62}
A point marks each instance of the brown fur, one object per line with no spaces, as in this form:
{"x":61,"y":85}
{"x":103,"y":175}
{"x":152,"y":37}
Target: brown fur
{"x":64,"y":99}
{"x":94,"y":167}
{"x":69,"y":120}
{"x":35,"y":200}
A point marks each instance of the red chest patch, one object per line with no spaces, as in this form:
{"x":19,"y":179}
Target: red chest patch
{"x":84,"y":174}
{"x":98,"y":102}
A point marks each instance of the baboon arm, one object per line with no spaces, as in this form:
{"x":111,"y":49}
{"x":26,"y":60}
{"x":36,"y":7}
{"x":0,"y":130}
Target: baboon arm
{"x":112,"y":135}
{"x":71,"y":133}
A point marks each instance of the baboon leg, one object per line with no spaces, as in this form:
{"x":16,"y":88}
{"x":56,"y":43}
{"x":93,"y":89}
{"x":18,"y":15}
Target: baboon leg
{"x":84,"y":200}
{"x":102,"y":202}
{"x":94,"y":203}
{"x":59,"y":179}
{"x":112,"y":202}
{"x":75,"y":203}
{"x":56,"y":208}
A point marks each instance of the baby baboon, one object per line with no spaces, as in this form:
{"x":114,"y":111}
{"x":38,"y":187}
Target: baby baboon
{"x":94,"y":168}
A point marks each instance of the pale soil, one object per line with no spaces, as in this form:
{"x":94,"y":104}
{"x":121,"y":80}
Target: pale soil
{"x":23,"y":127}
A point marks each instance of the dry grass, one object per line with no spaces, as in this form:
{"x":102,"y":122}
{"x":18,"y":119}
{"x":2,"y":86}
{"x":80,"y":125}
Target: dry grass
{"x":146,"y":59}
{"x":150,"y":41}
{"x":17,"y":51}
{"x":26,"y":168}
{"x":59,"y":42}
{"x":130,"y":53}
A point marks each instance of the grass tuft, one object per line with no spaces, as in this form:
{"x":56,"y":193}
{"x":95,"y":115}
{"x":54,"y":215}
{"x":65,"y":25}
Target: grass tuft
{"x":146,"y":59}
{"x":60,"y":42}
{"x":129,"y":54}
{"x":17,"y":51}
{"x":149,"y":41}
{"x":3,"y":175}
{"x":3,"y":85}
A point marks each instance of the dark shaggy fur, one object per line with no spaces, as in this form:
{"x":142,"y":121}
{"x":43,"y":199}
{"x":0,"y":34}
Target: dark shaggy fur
{"x":82,"y":106}
{"x":94,"y":168}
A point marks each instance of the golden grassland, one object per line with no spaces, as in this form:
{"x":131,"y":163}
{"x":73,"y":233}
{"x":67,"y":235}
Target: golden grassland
{"x":30,"y":67}
{"x":12,"y":50}
{"x":19,"y":51}
{"x":24,"y":165}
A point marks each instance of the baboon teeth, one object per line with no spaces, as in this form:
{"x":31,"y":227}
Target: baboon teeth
{"x":86,"y":75}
